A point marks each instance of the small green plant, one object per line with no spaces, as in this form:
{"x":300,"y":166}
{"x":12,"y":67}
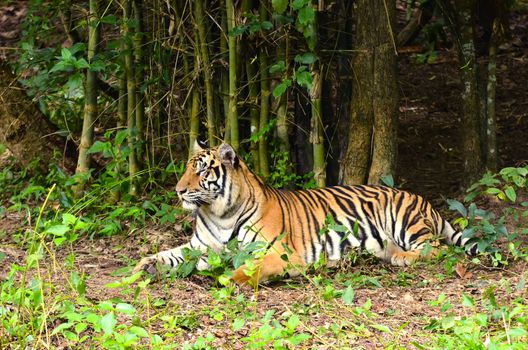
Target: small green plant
{"x":280,"y":335}
{"x":489,"y":326}
{"x":484,"y":227}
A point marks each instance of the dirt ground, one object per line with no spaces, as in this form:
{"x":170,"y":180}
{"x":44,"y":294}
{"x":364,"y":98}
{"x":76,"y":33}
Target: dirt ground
{"x":429,"y":164}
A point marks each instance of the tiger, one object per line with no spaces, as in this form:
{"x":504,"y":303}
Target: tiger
{"x":230,"y":201}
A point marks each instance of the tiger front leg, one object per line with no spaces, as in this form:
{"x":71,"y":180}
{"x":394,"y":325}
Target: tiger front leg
{"x":172,"y":257}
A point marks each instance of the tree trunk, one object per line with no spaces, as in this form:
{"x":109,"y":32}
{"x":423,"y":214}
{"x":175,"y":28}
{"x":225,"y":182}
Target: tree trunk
{"x":464,"y":10}
{"x":355,"y":163}
{"x":385,"y":98}
{"x":371,"y":149}
{"x":26,"y":132}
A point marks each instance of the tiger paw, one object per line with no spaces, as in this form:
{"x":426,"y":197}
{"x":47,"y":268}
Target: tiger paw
{"x":148,"y":265}
{"x":404,"y":258}
{"x":240,"y":277}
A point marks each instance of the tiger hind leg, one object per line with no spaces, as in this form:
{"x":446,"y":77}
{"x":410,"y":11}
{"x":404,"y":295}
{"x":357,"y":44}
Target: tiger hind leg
{"x":270,"y":265}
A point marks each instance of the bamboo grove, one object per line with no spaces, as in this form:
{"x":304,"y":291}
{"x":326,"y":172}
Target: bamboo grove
{"x":309,"y":87}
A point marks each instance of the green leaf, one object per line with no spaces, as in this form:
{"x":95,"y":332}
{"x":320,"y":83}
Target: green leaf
{"x":238,"y":324}
{"x":297,"y":4}
{"x":238,"y":30}
{"x":468,"y":301}
{"x":382,"y":328}
{"x":78,"y":282}
{"x":266,"y":25}
{"x":74,"y":83}
{"x":456,"y":205}
{"x":448,"y":322}
{"x":121,"y":137}
{"x":293,"y":322}
{"x":106,"y":305}
{"x":517,"y":332}
{"x":57,"y":230}
{"x":304,"y":79}
{"x":82,"y":64}
{"x":338,"y":228}
{"x":306,"y":58}
{"x":224,"y":280}
{"x":108,"y":323}
{"x":66,"y":54}
{"x":214,"y":259}
{"x":306,"y":16}
{"x":109,"y":19}
{"x":388,"y":180}
{"x":60,"y":66}
{"x":99,"y":146}
{"x":69,"y":219}
{"x":298,"y":338}
{"x":96,"y":66}
{"x":348,"y":296}
{"x":139,"y":331}
{"x":79,"y":327}
{"x":510,"y":193}
{"x":281,"y":88}
{"x":156,"y":340}
{"x":278,"y":67}
{"x":279,"y":6}
{"x":61,"y":327}
{"x":125,"y":308}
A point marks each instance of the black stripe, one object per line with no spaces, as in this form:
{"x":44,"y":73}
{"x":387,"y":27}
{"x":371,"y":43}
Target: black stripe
{"x":211,"y":233}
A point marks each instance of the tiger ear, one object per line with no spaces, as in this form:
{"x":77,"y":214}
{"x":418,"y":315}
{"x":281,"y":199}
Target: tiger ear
{"x":227,"y":155}
{"x":198,"y":146}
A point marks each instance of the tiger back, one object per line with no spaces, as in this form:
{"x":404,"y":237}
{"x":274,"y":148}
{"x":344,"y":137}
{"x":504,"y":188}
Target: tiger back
{"x":230,"y":201}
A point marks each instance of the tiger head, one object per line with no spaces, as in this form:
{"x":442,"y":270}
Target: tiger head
{"x":205,"y":178}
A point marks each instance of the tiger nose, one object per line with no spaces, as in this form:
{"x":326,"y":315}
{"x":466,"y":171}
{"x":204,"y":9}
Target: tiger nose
{"x":181,"y":190}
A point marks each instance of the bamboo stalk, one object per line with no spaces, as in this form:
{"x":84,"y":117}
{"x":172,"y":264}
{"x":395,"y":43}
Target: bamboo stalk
{"x":232,"y":44}
{"x":194,"y":122}
{"x":121,"y":122}
{"x":133,"y":166}
{"x":253,"y":113}
{"x":139,"y":71}
{"x":207,"y":75}
{"x":264,"y":100}
{"x":90,"y":104}
{"x":282,"y":103}
{"x":224,"y":75}
{"x":317,"y":132}
{"x":491,"y":118}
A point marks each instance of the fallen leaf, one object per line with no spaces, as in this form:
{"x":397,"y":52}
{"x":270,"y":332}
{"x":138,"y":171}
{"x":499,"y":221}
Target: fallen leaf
{"x":462,"y":272}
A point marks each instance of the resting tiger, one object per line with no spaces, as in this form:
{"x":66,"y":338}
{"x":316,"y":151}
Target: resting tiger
{"x":232,"y":202}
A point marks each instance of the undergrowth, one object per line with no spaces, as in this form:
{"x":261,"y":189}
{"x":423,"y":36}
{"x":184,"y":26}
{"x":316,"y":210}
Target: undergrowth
{"x":46,"y":302}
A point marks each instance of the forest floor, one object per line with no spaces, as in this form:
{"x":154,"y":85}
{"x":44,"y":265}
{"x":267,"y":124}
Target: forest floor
{"x":390,"y":308}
